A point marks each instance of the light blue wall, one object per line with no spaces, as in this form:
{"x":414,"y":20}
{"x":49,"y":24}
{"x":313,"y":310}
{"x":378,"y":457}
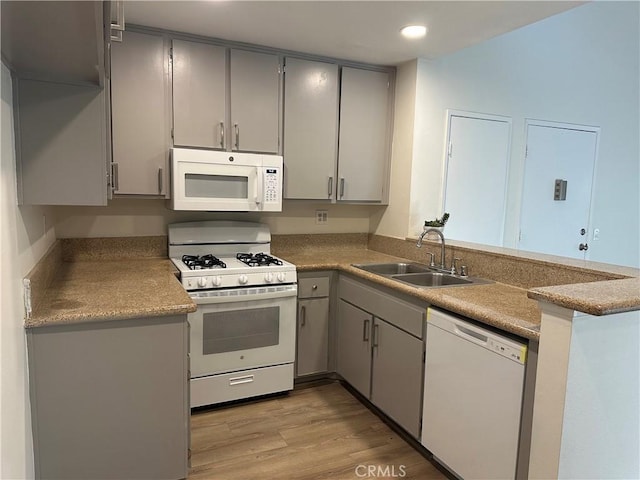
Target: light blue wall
{"x":600,"y":431}
{"x":580,"y":67}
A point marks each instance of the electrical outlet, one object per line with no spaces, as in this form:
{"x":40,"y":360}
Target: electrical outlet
{"x":596,"y":234}
{"x":322,"y":217}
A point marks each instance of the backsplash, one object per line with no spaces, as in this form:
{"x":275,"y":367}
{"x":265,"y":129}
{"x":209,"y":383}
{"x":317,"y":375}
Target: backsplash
{"x":510,"y":269}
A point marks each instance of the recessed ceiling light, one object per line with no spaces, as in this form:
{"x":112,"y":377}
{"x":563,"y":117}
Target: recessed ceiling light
{"x":414,"y":31}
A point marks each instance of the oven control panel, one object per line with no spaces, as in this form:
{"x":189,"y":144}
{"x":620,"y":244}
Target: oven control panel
{"x":238,"y":280}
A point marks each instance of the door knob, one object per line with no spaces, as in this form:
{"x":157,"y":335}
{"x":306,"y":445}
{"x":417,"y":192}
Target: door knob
{"x":583,"y":246}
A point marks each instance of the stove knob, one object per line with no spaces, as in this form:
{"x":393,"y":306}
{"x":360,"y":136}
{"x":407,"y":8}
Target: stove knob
{"x":281,"y":277}
{"x":243,"y":279}
{"x":202,"y":281}
{"x":268,"y":277}
{"x":217,"y":281}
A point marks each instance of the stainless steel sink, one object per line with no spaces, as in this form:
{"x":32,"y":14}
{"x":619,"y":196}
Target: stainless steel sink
{"x":392,"y":268}
{"x":418,"y":275}
{"x":432,"y":279}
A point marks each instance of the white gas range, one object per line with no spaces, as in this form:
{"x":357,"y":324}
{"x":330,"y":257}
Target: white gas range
{"x":242,"y":337}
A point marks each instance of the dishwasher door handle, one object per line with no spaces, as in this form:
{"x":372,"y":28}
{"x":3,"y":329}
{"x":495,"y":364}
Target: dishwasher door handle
{"x":475,"y":337}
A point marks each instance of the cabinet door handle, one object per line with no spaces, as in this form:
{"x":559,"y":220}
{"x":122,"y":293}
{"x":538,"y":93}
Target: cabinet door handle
{"x":115,"y":184}
{"x":375,"y":335}
{"x":330,"y":187}
{"x":237,"y":131}
{"x":365,"y":330}
{"x":303,"y":316}
{"x":342,"y":187}
{"x":221,"y":134}
{"x":160,"y":180}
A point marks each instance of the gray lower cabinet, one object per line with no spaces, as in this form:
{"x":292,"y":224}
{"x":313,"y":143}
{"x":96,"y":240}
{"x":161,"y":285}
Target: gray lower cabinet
{"x":110,"y":399}
{"x":354,"y":346}
{"x":312,"y":355}
{"x":380,"y":350}
{"x":140,"y":112}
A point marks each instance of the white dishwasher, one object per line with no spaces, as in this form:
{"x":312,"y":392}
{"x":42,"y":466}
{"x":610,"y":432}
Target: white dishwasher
{"x":472,"y":397}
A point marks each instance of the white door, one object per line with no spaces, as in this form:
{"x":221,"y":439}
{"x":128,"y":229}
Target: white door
{"x":549,"y":224}
{"x":476,"y":177}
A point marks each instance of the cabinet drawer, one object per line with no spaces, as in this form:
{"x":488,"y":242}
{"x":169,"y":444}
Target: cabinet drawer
{"x":403,"y":315}
{"x":237,"y":385}
{"x":313,"y":287}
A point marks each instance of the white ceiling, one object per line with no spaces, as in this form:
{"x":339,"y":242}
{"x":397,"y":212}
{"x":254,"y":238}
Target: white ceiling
{"x":362,"y":31}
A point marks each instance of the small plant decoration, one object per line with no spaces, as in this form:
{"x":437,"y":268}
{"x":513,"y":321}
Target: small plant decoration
{"x":438,"y":222}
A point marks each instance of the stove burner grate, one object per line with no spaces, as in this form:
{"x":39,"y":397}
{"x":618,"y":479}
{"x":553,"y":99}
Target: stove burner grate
{"x":195,"y":262}
{"x":258,"y":259}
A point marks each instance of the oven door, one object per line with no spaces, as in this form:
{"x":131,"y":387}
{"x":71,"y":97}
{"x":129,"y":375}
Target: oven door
{"x":237,"y":329}
{"x":215,"y":187}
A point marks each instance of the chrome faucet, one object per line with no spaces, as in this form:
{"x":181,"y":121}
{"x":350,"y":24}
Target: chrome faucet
{"x":442,"y":245}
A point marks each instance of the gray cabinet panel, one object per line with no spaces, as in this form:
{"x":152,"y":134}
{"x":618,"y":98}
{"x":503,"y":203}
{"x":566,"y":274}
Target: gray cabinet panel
{"x":140,"y":112}
{"x":313,"y":336}
{"x":403,"y":315}
{"x":310,"y":129}
{"x":396,"y":386}
{"x":364,"y":133}
{"x":354,"y":346}
{"x":61,"y":144}
{"x":199,"y":94}
{"x":110,"y":399}
{"x":255,"y":84}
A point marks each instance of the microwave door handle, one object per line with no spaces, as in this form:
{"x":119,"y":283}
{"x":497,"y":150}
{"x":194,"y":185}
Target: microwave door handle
{"x":259,"y":186}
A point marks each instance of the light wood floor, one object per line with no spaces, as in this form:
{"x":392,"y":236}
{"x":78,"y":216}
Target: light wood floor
{"x":318,"y":432}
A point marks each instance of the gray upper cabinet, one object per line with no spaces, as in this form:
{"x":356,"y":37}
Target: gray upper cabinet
{"x":255,"y":87}
{"x":199,"y":99}
{"x":341,"y":158}
{"x":364,"y":135}
{"x":140,"y":114}
{"x":310,"y":129}
{"x":225,"y":99}
{"x":60,"y":143}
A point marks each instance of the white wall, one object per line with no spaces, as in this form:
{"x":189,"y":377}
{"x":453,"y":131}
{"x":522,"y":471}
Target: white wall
{"x":393,"y":220}
{"x":24,"y":238}
{"x":580,"y":67}
{"x":600,"y":432}
{"x":140,"y":217}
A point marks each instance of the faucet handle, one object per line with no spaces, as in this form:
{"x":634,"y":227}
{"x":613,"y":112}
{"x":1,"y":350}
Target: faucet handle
{"x":463,"y":271}
{"x":454,"y":271}
{"x":432,"y":262}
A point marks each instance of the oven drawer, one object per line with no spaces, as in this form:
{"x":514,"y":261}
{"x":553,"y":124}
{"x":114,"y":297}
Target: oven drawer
{"x":244,"y":384}
{"x":313,"y":287}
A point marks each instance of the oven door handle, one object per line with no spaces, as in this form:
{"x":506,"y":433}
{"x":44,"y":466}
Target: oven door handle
{"x":240,"y":380}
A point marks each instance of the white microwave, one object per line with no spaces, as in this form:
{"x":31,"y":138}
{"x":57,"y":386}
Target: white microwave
{"x":225,"y":181}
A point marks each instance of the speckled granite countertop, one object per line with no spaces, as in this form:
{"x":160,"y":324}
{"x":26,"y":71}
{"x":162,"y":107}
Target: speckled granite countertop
{"x":503,"y":306}
{"x":594,"y":298}
{"x":89,"y":291}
